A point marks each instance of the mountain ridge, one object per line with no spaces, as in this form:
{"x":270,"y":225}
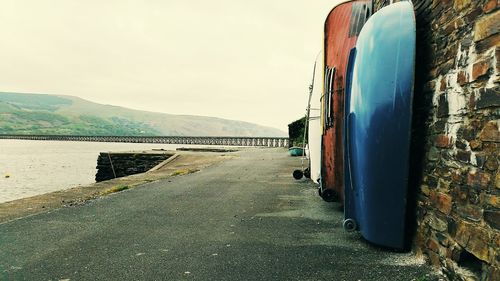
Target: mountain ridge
{"x":23,"y":113}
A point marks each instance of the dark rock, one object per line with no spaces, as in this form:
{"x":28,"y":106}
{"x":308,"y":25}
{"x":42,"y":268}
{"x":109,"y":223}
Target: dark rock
{"x":463,"y":156}
{"x":488,"y":98}
{"x":442,"y":109}
{"x":492,"y":217}
{"x":491,"y":163}
{"x":467,"y":132}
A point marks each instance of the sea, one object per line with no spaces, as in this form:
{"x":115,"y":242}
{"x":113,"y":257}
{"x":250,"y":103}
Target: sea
{"x":29,"y":168}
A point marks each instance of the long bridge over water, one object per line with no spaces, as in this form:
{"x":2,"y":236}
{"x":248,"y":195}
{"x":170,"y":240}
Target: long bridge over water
{"x":225,"y":141}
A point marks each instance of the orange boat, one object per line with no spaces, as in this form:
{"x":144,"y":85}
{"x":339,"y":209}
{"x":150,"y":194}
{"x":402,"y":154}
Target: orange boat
{"x":342,"y":26}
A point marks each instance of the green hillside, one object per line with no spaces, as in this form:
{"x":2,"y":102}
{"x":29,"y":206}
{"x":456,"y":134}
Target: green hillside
{"x":68,"y":115}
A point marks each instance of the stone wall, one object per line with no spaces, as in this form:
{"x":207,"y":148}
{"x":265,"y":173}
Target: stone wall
{"x":455,"y":180}
{"x":112,"y":165}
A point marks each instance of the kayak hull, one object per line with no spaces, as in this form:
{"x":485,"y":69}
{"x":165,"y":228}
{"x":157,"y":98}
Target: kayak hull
{"x":378,"y":125}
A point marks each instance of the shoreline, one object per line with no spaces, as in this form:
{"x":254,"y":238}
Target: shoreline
{"x":38,"y":167}
{"x":181,"y":164}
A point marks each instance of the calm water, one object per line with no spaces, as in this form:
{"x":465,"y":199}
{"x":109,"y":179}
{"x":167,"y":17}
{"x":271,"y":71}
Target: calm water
{"x":37,"y":167}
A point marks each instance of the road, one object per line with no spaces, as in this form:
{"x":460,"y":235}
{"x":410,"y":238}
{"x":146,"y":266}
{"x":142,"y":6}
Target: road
{"x":242,"y":219}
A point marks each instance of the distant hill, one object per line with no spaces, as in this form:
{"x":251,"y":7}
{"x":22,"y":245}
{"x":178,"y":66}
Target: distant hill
{"x":68,"y":115}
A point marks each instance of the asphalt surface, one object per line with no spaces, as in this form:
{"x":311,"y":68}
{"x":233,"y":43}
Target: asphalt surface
{"x":242,"y":219}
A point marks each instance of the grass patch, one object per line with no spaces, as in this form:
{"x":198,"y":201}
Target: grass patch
{"x":181,"y":172}
{"x":114,"y":189}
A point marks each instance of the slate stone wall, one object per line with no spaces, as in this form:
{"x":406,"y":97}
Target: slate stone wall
{"x":126,"y":163}
{"x":455,"y":182}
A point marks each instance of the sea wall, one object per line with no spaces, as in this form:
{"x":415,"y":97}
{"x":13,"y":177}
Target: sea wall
{"x":112,"y":165}
{"x":455,"y":181}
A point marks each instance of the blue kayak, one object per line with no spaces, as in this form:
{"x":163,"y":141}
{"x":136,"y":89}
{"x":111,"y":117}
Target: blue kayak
{"x":378,"y":114}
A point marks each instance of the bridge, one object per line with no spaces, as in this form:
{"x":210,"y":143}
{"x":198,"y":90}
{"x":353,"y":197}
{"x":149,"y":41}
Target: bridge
{"x":225,"y":141}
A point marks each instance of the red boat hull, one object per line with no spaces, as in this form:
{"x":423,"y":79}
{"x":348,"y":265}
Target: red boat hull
{"x":341,"y":30}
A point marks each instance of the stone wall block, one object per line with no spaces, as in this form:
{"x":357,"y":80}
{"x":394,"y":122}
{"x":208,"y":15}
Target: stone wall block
{"x":433,"y":258}
{"x":479,"y":159}
{"x":476,"y":124}
{"x":452,"y":226}
{"x":490,"y":132}
{"x":463,"y":156}
{"x":431,"y":181}
{"x":491,"y":163}
{"x":457,"y":176}
{"x":491,"y":200}
{"x":436,"y":223}
{"x":463,"y":55}
{"x":460,"y":5}
{"x":474,"y":239}
{"x":462,"y":78}
{"x":467,"y":132}
{"x":460,"y":194}
{"x":490,"y":6}
{"x":425,"y":190}
{"x":488,"y":43}
{"x":474,"y":196}
{"x":433,"y":154}
{"x":446,"y":15}
{"x":492,"y":217}
{"x":478,"y":179}
{"x":470,"y":212}
{"x":455,"y":252}
{"x":496,"y":244}
{"x":443,"y":141}
{"x":462,"y":235}
{"x":438,"y":126}
{"x":442,"y":107}
{"x":443,"y":84}
{"x":446,"y":66}
{"x":487,"y":26}
{"x":473,"y":15}
{"x":432,"y":245}
{"x":472,"y":101}
{"x":451,"y":27}
{"x":493,"y":274}
{"x":444,"y":203}
{"x":478,"y":243}
{"x":429,"y":167}
{"x":443,"y":239}
{"x":480,"y":69}
{"x":491,"y":148}
{"x":475,"y":145}
{"x":444,"y":176}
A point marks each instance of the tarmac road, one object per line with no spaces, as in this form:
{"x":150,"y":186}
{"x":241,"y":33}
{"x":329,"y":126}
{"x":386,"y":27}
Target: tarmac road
{"x":242,"y":219}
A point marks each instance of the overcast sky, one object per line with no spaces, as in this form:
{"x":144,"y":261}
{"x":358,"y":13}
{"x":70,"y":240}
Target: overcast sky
{"x":248,"y":60}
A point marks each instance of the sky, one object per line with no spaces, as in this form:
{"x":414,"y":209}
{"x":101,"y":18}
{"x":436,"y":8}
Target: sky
{"x":235,"y":59}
